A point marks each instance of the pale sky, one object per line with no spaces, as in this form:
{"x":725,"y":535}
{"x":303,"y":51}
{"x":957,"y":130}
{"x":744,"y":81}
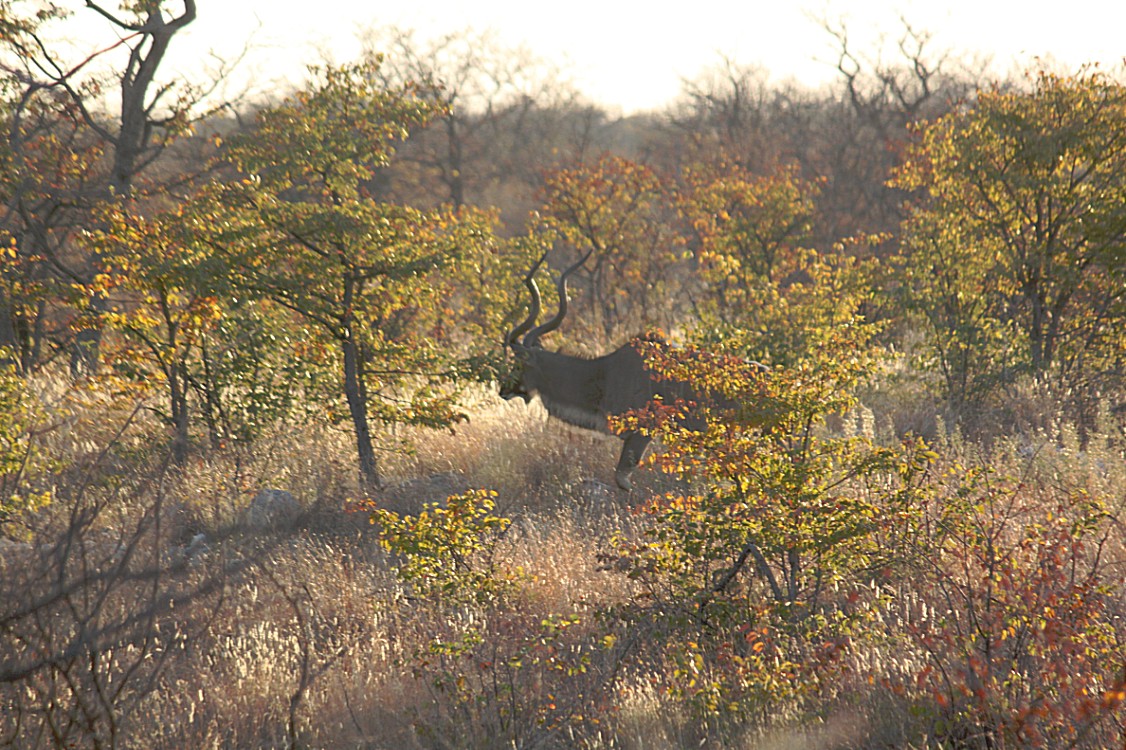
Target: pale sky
{"x":633,"y":56}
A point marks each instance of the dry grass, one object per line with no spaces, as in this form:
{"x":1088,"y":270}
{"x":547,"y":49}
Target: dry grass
{"x":510,"y":447}
{"x":303,"y":635}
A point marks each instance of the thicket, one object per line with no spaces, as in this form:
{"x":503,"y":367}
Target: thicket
{"x":902,"y":301}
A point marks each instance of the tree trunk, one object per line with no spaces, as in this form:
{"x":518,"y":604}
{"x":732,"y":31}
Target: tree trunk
{"x":1036,"y":332}
{"x":211,"y":402}
{"x":85,"y":354}
{"x":355,"y":389}
{"x":178,"y":395}
{"x":355,"y":392}
{"x":9,"y":340}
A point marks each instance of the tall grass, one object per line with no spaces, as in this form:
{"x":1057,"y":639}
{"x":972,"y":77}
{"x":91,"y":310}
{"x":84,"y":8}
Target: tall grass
{"x":138,"y":610}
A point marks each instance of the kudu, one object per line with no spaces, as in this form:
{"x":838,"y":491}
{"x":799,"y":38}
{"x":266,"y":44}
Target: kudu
{"x":579,"y":391}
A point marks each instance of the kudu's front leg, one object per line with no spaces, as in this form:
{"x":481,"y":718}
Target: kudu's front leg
{"x":632,"y":450}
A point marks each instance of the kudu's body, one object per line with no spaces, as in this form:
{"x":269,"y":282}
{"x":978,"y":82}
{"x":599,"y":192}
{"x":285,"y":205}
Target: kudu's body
{"x":585,"y":392}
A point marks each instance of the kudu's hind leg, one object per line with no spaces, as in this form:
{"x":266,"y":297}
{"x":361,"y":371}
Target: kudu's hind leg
{"x":632,"y":450}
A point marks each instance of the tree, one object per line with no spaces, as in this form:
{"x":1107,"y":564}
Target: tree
{"x":759,"y":570}
{"x":866,"y":127}
{"x":734,"y":111}
{"x":622,"y":211}
{"x":748,"y":230}
{"x":303,"y":230}
{"x":495,"y":125}
{"x":762,"y":292}
{"x":48,"y":163}
{"x":184,"y":328}
{"x":1017,"y":250}
{"x":57,"y":138}
{"x":169,"y":296}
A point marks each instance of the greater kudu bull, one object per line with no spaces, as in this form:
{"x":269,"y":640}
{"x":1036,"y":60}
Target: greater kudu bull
{"x":584,"y":392}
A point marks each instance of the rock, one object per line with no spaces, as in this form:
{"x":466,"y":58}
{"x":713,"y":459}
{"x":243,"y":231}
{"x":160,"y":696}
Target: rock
{"x":272,"y":508}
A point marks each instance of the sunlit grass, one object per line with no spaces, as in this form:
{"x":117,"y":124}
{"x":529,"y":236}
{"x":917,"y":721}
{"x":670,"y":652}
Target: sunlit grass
{"x":308,"y":636}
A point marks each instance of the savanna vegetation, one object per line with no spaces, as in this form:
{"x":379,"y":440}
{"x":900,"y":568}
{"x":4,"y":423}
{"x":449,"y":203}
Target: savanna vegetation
{"x":257,"y":489}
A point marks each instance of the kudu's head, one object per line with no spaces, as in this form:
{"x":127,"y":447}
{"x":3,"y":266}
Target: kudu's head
{"x":524,"y":377}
